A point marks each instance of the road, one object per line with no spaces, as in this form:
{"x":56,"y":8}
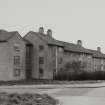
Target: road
{"x":81,"y":96}
{"x":66,"y":95}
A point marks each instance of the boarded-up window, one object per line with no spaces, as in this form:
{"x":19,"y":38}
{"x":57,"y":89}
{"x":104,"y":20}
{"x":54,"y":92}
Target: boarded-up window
{"x":17,"y":60}
{"x":16,"y":72}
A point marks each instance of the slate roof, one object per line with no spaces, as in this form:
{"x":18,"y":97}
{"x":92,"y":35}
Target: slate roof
{"x":68,"y":46}
{"x":76,"y":48}
{"x":5,"y":35}
{"x":48,"y":39}
{"x":27,"y":42}
{"x":97,"y":54}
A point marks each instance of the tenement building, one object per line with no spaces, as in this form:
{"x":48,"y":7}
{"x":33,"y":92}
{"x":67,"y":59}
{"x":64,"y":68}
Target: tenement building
{"x":51,"y":56}
{"x":38,"y":55}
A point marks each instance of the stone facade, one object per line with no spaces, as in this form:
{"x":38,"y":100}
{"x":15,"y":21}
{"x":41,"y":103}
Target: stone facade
{"x":42,"y":65}
{"x":40,"y":56}
{"x":57,"y":53}
{"x":12,"y":57}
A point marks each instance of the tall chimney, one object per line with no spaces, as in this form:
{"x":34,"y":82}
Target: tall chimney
{"x":41,"y":30}
{"x":49,"y":32}
{"x":99,"y":49}
{"x":79,"y":42}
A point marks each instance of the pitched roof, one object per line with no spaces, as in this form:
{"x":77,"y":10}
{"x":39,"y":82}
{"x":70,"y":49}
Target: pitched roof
{"x":97,"y":54}
{"x":75,"y":48}
{"x":48,"y":39}
{"x":5,"y":35}
{"x":67,"y":46}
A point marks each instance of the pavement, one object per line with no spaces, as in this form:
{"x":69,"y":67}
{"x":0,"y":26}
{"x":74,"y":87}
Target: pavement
{"x":52,"y":86}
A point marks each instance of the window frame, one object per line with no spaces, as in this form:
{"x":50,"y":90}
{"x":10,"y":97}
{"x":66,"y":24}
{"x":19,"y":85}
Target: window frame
{"x":41,"y":47}
{"x":41,"y":72}
{"x":41,"y":60}
{"x":17,"y":72}
{"x":17,"y":60}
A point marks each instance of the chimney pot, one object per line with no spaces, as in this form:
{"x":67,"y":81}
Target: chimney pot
{"x":99,"y":49}
{"x":41,"y":30}
{"x":79,"y":42}
{"x":49,"y":32}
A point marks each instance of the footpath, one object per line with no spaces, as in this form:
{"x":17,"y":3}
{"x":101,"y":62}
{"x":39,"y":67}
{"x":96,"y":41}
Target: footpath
{"x":54,"y":86}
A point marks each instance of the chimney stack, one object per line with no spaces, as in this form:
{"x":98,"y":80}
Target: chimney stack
{"x":41,"y":30}
{"x":99,"y":49}
{"x":49,"y":32}
{"x":79,"y":42}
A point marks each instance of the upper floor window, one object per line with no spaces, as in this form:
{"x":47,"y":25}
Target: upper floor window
{"x":16,"y":47}
{"x":80,"y":57}
{"x":102,"y":62}
{"x":60,"y":49}
{"x":89,"y":57}
{"x":41,"y":60}
{"x":41,"y":47}
{"x":17,"y":60}
{"x":16,"y":72}
{"x":60,"y":60}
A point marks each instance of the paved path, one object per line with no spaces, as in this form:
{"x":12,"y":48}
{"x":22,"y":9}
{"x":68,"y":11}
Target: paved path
{"x":78,"y":94}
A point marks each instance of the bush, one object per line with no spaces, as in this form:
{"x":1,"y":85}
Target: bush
{"x":26,"y":99}
{"x":83,"y":75}
{"x":75,"y":70}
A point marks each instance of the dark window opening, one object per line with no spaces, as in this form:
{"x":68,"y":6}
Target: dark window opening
{"x":41,"y":60}
{"x":41,"y":72}
{"x":41,"y":47}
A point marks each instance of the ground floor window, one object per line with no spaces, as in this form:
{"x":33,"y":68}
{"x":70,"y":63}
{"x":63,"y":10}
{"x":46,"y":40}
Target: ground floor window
{"x":16,"y":72}
{"x":41,"y":72}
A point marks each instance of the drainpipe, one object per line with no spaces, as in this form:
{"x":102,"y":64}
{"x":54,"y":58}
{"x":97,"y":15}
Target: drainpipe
{"x":56,"y":55}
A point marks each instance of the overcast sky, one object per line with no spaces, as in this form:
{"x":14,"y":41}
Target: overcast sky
{"x":70,"y":20}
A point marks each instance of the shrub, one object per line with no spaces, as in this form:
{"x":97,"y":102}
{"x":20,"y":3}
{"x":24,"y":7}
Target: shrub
{"x":26,"y":99}
{"x":76,"y":71}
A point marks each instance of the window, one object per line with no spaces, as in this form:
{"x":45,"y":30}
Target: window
{"x":16,"y":60}
{"x":41,"y":72}
{"x":16,"y":72}
{"x":80,"y":58}
{"x":17,"y":47}
{"x":89,"y":57}
{"x":60,"y":60}
{"x":60,"y":49}
{"x":102,"y":62}
{"x":41,"y":47}
{"x":41,"y":60}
